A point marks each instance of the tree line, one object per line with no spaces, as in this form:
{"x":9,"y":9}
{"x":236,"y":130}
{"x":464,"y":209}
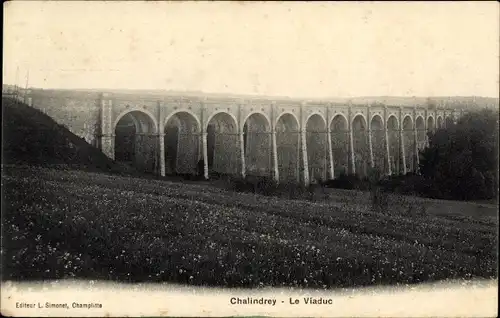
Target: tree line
{"x":461,"y":161}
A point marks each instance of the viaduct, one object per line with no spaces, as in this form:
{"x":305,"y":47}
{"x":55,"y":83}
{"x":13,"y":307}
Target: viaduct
{"x":288,"y":139}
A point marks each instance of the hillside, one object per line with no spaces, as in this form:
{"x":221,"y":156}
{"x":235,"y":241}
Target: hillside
{"x":32,"y":137}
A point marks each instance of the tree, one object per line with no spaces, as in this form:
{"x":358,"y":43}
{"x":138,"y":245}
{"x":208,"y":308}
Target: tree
{"x":462,"y":159}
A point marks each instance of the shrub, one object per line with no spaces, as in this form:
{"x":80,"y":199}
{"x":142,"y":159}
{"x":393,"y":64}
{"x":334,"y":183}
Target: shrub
{"x":379,"y":199}
{"x":411,"y":208}
{"x":378,"y":196}
{"x":461,"y":156}
{"x":293,"y":190}
{"x":269,"y":187}
{"x":252,"y":184}
{"x":266,"y":186}
{"x":343,"y":181}
{"x":316,"y":191}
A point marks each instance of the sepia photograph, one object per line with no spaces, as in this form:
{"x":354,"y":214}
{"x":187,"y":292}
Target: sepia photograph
{"x":250,"y":159}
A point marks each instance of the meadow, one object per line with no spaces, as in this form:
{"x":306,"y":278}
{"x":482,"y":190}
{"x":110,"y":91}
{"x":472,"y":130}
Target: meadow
{"x":76,"y":224}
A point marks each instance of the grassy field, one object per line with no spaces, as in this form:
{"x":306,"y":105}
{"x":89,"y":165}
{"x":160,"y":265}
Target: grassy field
{"x":445,"y":208}
{"x":77,"y":224}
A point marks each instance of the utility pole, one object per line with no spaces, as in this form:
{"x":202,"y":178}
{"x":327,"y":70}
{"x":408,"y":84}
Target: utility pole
{"x":15,"y":83}
{"x":26,"y":86}
{"x":27,"y":78}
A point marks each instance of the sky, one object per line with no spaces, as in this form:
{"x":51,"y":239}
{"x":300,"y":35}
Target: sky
{"x":296,"y":49}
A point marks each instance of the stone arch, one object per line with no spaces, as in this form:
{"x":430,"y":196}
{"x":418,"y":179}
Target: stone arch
{"x":359,"y":116}
{"x":257,"y":144}
{"x":315,"y":114}
{"x":341,"y":120}
{"x":408,"y":122}
{"x":378,"y":122}
{"x":148,"y":121}
{"x":439,"y":122}
{"x":222,"y":144}
{"x":420,"y":126}
{"x":287,"y":113}
{"x":316,"y":143}
{"x":135,"y":140}
{"x":394,"y":144}
{"x":392,"y":122}
{"x":339,"y":131}
{"x":183,"y":110}
{"x":360,"y":142}
{"x":378,"y":142}
{"x":182,"y":143}
{"x":260,"y":117}
{"x":288,"y":150}
{"x":409,"y":143}
{"x":379,"y":118}
{"x":430,"y":123}
{"x":233,"y":123}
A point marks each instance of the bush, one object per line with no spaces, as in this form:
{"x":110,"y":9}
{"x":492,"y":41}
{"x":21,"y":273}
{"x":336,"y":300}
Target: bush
{"x":293,"y":190}
{"x":343,"y":181}
{"x":269,"y":187}
{"x":379,"y":199}
{"x":316,"y":191}
{"x":409,"y":207}
{"x":266,"y":186}
{"x":407,"y":184}
{"x":461,"y":160}
{"x":348,"y":182}
{"x":253,"y":184}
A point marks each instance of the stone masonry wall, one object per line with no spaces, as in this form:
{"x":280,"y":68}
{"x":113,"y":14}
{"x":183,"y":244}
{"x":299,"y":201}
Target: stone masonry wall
{"x":77,"y":111}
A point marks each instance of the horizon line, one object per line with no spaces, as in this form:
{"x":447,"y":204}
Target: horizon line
{"x":252,"y":95}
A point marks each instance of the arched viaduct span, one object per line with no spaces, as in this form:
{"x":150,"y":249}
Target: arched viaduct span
{"x":283,"y":138}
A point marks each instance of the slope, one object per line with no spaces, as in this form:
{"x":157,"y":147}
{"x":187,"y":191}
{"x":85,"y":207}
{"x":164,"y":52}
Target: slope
{"x":34,"y":138}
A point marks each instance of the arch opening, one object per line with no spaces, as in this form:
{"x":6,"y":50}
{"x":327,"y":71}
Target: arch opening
{"x":182,"y":144}
{"x":439,"y":122}
{"x":420,"y":125}
{"x":257,"y":145}
{"x":409,"y":143}
{"x":340,"y":145}
{"x":288,"y":150}
{"x":378,"y":143}
{"x":222,"y":145}
{"x":135,"y":141}
{"x":360,"y":143}
{"x":394,"y":145}
{"x":430,"y":126}
{"x":316,"y":138}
